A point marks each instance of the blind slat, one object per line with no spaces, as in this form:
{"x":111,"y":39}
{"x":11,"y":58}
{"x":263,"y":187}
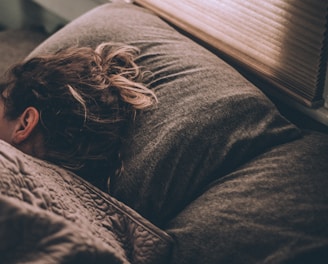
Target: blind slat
{"x":279,"y":39}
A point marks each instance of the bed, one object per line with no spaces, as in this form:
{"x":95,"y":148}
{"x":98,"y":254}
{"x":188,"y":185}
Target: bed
{"x":213,"y":174}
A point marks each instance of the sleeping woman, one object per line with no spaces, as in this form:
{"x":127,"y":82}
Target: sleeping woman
{"x":72,"y":108}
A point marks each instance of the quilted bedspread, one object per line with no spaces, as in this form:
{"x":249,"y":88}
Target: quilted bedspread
{"x":49,"y":215}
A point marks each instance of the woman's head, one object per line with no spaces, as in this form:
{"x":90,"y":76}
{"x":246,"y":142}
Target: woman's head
{"x":83,"y":99}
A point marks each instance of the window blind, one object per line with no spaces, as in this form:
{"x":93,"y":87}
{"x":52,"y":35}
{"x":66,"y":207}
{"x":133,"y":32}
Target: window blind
{"x":284,"y":41}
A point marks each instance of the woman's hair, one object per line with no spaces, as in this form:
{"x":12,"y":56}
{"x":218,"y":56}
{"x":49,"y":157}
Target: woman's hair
{"x":86,"y":98}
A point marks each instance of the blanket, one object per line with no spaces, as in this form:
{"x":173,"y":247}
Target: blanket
{"x":49,"y":215}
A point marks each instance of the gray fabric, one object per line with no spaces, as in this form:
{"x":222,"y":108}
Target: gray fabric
{"x":49,"y":215}
{"x":273,"y":209}
{"x":16,"y":44}
{"x":209,"y":119}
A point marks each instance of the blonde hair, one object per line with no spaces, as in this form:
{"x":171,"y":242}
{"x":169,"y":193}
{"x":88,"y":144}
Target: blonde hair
{"x":86,"y":98}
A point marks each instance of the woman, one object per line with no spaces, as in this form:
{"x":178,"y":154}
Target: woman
{"x":72,"y":108}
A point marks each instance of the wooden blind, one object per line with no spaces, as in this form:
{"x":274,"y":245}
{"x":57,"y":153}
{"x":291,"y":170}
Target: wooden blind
{"x":284,"y":41}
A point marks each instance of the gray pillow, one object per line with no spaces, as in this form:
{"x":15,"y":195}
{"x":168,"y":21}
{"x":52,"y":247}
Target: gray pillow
{"x":273,"y":209}
{"x":209,"y":119}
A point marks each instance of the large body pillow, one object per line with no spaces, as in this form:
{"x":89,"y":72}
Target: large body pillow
{"x":273,"y":209}
{"x":209,"y":119}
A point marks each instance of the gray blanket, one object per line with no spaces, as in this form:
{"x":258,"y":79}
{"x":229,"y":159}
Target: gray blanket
{"x":49,"y":215}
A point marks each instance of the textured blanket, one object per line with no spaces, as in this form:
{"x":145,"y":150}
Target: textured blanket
{"x":49,"y":215}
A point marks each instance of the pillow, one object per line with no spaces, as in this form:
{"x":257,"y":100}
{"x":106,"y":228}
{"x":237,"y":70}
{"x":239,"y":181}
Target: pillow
{"x":209,"y":119}
{"x":273,"y":209}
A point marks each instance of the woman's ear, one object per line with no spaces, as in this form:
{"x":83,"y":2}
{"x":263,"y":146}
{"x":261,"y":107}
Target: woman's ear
{"x":25,"y":125}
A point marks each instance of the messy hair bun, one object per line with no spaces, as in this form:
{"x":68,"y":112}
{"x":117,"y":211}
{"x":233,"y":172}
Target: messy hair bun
{"x":85,"y":98}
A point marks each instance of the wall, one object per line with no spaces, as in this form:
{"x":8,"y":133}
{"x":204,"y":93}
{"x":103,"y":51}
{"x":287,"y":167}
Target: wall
{"x":19,"y":14}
